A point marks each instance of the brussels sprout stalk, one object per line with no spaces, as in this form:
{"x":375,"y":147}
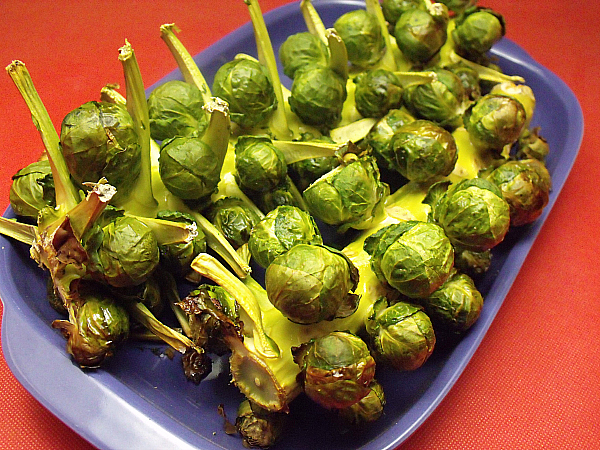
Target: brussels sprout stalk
{"x":21,"y":232}
{"x":313,"y":20}
{"x":137,"y":106}
{"x":387,"y":61}
{"x":66,"y":193}
{"x":338,"y":55}
{"x":266,"y":56}
{"x":190,"y":71}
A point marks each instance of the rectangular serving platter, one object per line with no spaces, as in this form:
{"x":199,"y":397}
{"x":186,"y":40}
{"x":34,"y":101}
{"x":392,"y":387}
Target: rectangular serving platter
{"x":141,"y":398}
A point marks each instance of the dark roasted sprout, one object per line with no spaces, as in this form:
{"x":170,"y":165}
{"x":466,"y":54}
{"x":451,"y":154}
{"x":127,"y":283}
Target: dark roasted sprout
{"x":420,"y":33}
{"x":377,"y":91}
{"x":281,"y":229}
{"x":245,"y":85}
{"x":473,"y":213}
{"x":471,"y":262}
{"x":368,"y":409}
{"x":258,"y":426}
{"x":336,"y":369}
{"x":176,"y":109}
{"x":400,"y":335}
{"x":393,"y":9}
{"x":259,"y":165}
{"x":423,"y":150}
{"x":234,"y":218}
{"x":456,"y":305}
{"x":312,"y":283}
{"x":525,"y":185}
{"x":477,"y":30}
{"x":99,"y":140}
{"x":302,"y":50}
{"x":413,"y":257}
{"x":362,"y":37}
{"x":531,"y":145}
{"x":380,"y":136}
{"x":32,"y":189}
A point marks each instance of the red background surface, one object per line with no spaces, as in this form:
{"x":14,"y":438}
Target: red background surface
{"x":535,"y":380}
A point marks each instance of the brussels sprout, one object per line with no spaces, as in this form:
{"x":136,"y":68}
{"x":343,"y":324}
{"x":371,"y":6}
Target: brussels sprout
{"x":32,"y":189}
{"x":307,"y":171}
{"x":123,"y":253}
{"x":473,"y":213}
{"x":280,"y":230}
{"x":380,"y":136}
{"x":469,"y":78}
{"x":99,"y":140}
{"x":54,"y":299}
{"x":317,"y":96}
{"x":285,"y":194}
{"x":477,"y":31}
{"x":188,"y":167}
{"x":197,"y":365}
{"x":413,"y":257}
{"x":336,"y":369}
{"x":257,"y":426}
{"x":368,"y":409}
{"x":245,"y":84}
{"x":531,"y":145}
{"x":494,"y":121}
{"x":234,"y":218}
{"x":420,"y":33}
{"x":458,"y":6}
{"x":424,"y":150}
{"x":377,"y":91}
{"x":393,"y":9}
{"x":209,"y":309}
{"x":100,"y":326}
{"x":302,"y":50}
{"x":311,"y":283}
{"x":175,"y":109}
{"x":148,"y":293}
{"x":456,"y":305}
{"x":525,"y":186}
{"x":176,"y":258}
{"x":442,"y":101}
{"x":259,"y":164}
{"x":520,"y":92}
{"x":350,"y":196}
{"x":401,"y":335}
{"x":470,"y":262}
{"x":362,"y":37}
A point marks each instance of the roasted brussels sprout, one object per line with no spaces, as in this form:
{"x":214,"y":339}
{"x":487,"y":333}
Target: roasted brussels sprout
{"x":368,"y":409}
{"x":99,"y":140}
{"x":531,"y":145}
{"x":423,"y":150}
{"x":377,"y":91}
{"x":122,"y":253}
{"x":473,"y":213}
{"x":470,"y":262}
{"x":257,"y":426}
{"x":188,"y":167}
{"x":304,"y":173}
{"x":259,"y":164}
{"x":176,"y":258}
{"x":32,"y":189}
{"x":400,"y":335}
{"x":311,"y":283}
{"x":285,"y":194}
{"x":458,"y":6}
{"x":336,"y":369}
{"x":379,"y":137}
{"x":520,"y":92}
{"x":302,"y":50}
{"x":100,"y":325}
{"x":442,"y":101}
{"x":494,"y":121}
{"x":245,"y":84}
{"x":413,"y":257}
{"x":477,"y":30}
{"x":280,"y":230}
{"x":317,"y":96}
{"x":469,"y":78}
{"x":393,"y":9}
{"x":234,"y":218}
{"x":525,"y":185}
{"x":175,"y":109}
{"x":456,"y":305}
{"x":350,"y":196}
{"x":362,"y":37}
{"x":421,"y":33}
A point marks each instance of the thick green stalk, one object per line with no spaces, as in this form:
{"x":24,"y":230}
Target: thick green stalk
{"x":66,"y":192}
{"x":387,"y":61}
{"x":188,"y":67}
{"x":266,"y":56}
{"x":137,"y":106}
{"x":352,"y":132}
{"x":21,"y":232}
{"x":294,"y":151}
{"x":217,"y":133}
{"x":167,"y":231}
{"x":313,"y":20}
{"x":414,"y":78}
{"x":338,"y":55}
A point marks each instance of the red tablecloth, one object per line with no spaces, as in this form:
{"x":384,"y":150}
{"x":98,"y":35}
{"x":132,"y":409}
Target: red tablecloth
{"x":535,"y":380}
